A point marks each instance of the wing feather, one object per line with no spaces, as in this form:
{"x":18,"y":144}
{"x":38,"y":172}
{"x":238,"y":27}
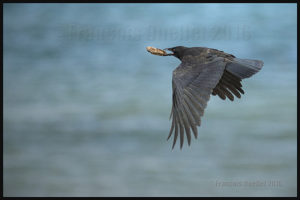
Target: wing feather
{"x":172,"y":127}
{"x":228,"y":86}
{"x":219,"y":92}
{"x":192,"y":83}
{"x":176,"y":131}
{"x":195,"y":102}
{"x":192,"y":110}
{"x":231,"y":88}
{"x":226,"y":92}
{"x":186,"y":126}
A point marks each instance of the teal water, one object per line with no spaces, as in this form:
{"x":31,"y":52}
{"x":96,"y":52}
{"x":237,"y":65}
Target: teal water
{"x":86,"y":107}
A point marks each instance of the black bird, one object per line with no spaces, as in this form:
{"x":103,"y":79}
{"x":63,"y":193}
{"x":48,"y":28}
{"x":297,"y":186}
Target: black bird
{"x":202,"y":72}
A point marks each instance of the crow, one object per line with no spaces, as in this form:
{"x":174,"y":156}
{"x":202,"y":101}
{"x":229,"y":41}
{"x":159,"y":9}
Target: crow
{"x":202,"y":72}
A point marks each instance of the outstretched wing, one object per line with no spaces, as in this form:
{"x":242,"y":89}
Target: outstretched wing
{"x":228,"y":86}
{"x":236,"y":70}
{"x":192,"y":85}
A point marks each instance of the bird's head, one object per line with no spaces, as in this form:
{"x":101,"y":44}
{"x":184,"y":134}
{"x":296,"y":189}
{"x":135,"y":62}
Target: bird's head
{"x":176,"y":51}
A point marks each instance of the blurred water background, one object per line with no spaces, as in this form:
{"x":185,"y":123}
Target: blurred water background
{"x":86,"y":107}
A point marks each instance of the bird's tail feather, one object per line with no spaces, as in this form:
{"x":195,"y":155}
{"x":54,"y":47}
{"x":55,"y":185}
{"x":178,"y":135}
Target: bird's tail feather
{"x":244,"y":68}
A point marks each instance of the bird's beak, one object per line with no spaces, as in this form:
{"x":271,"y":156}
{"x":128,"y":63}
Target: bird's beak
{"x":169,"y":54}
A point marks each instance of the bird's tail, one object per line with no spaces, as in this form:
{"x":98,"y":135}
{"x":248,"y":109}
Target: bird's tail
{"x":244,"y":68}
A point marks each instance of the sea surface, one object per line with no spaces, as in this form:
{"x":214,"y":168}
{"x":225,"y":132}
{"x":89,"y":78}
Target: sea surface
{"x":86,"y":107}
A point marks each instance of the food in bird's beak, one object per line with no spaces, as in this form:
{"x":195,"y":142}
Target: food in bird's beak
{"x":156,"y":51}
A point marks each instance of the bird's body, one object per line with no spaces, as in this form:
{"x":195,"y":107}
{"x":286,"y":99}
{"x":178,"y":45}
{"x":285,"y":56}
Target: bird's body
{"x":202,"y":72}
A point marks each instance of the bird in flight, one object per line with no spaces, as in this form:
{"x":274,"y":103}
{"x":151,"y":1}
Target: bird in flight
{"x":202,"y":72}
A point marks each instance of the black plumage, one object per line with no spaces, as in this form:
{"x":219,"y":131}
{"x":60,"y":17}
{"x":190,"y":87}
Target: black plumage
{"x":202,"y":72}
